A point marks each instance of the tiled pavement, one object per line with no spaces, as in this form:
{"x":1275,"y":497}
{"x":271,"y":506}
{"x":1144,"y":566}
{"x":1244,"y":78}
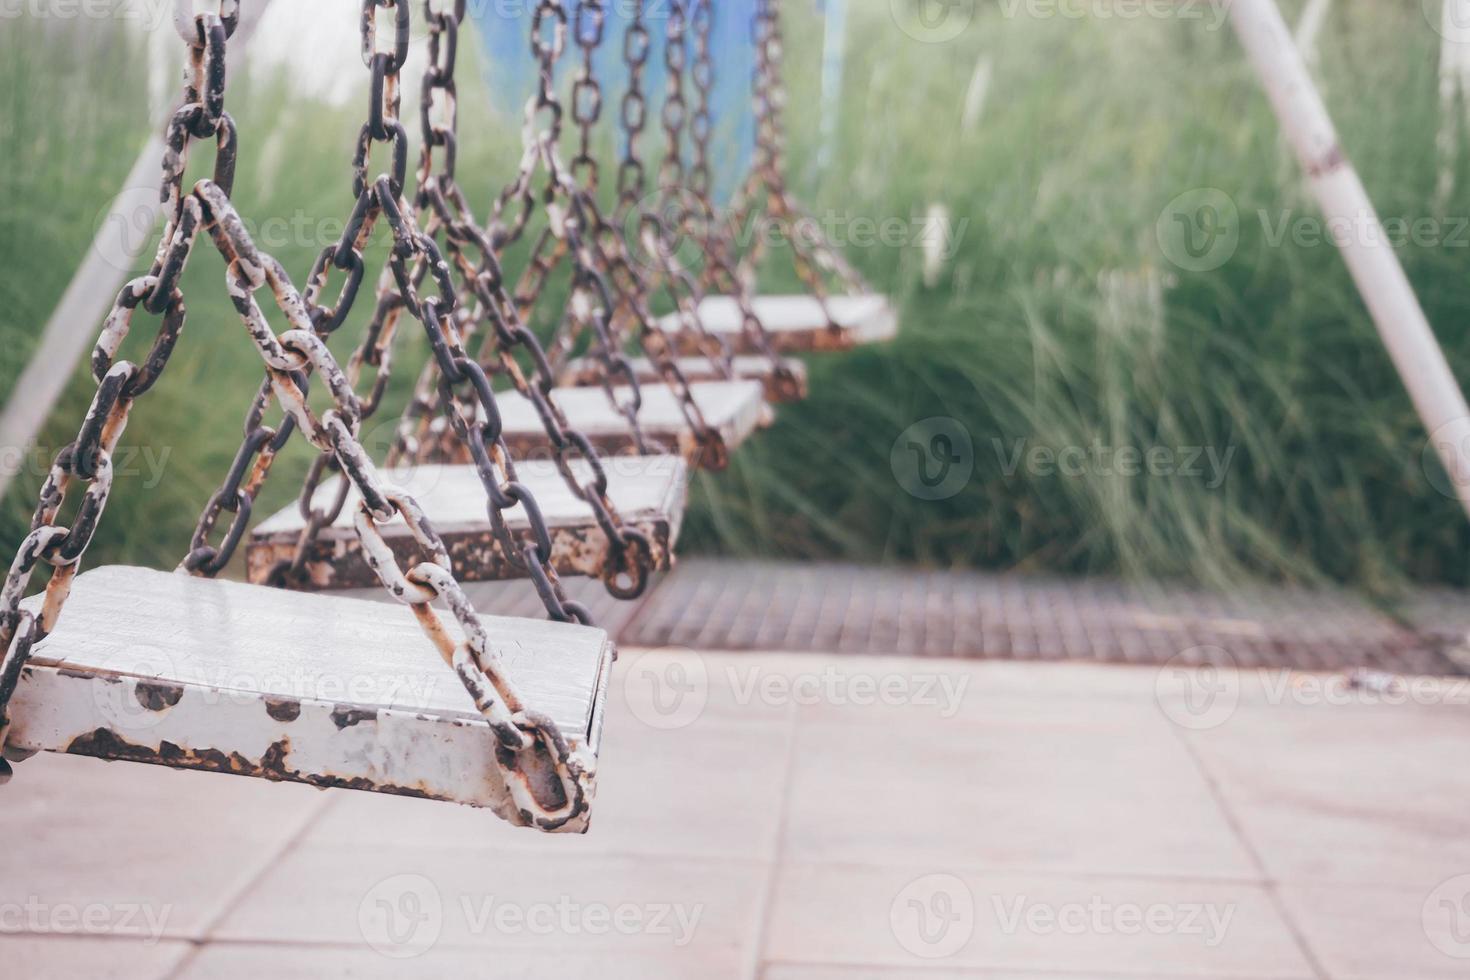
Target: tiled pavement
{"x":809,"y":818}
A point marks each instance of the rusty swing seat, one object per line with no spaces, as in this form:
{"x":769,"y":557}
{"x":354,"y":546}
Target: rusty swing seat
{"x":192,"y":673}
{"x":794,"y":323}
{"x":649,"y":493}
{"x":732,"y":409}
{"x":587,"y":372}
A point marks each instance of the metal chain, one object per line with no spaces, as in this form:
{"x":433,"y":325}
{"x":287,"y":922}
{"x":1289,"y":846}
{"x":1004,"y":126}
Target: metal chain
{"x":442,"y":205}
{"x":633,"y":114}
{"x":712,"y":234}
{"x":540,"y":133}
{"x":812,"y":255}
{"x":546,"y":779}
{"x":607,"y":251}
{"x":656,"y":235}
{"x":604,"y":279}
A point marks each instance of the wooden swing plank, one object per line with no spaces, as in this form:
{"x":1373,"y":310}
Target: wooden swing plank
{"x":587,"y":372}
{"x":168,"y":669}
{"x":794,"y":323}
{"x":732,"y":408}
{"x":648,"y":493}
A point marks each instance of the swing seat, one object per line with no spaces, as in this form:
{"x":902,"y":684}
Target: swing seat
{"x":733,"y":409}
{"x":587,"y":372}
{"x":172,"y":670}
{"x":793,"y":324}
{"x":648,"y":493}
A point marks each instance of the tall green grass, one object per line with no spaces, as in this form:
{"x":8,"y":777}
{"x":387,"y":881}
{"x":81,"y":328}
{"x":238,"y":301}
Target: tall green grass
{"x":1057,"y":322}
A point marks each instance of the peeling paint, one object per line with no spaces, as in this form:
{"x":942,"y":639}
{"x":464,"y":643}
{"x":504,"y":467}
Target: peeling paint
{"x":344,"y":716}
{"x":157,"y":695}
{"x":106,"y":744}
{"x":282,"y":709}
{"x":339,"y":562}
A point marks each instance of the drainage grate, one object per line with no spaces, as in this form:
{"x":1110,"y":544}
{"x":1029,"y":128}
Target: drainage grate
{"x":709,"y":604}
{"x":705,"y":604}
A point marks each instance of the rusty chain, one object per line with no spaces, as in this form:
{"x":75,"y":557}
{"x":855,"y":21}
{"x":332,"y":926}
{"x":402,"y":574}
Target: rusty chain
{"x":657,"y":236}
{"x":604,"y":280}
{"x":704,"y":225}
{"x":547,"y":780}
{"x":764,"y":196}
{"x":606,"y":250}
{"x":442,"y":206}
{"x":485,"y":284}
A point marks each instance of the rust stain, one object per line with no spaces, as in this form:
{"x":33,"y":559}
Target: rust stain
{"x":82,"y":675}
{"x":157,"y":695}
{"x":272,"y":765}
{"x":1327,"y":162}
{"x":282,"y":709}
{"x":345,"y":717}
{"x":475,"y":556}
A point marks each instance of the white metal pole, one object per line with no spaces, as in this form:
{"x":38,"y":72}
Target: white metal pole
{"x":1365,"y":247}
{"x":1309,"y":26}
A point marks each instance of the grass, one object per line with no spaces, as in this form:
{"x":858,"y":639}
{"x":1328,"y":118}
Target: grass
{"x":1057,"y":322}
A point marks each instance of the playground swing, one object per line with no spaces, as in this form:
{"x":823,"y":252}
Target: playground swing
{"x":703,"y":421}
{"x":686,"y":198}
{"x":187,"y":672}
{"x":820,"y":320}
{"x":618,"y":522}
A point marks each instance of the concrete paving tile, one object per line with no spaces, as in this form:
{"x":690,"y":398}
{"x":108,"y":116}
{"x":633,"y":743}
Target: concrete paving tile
{"x":913,"y":918}
{"x":709,"y":789}
{"x":55,"y":957}
{"x":1100,"y":788}
{"x":838,"y":688}
{"x":1368,"y":933}
{"x":794,"y":971}
{"x":674,"y":687}
{"x":171,"y":846}
{"x":1359,"y":794}
{"x":230,"y":961}
{"x":405,"y":899}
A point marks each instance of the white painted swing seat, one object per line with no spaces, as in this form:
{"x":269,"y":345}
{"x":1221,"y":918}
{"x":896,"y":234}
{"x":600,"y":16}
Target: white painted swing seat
{"x":587,"y":372}
{"x":733,"y":409}
{"x":648,"y":492}
{"x":169,"y":669}
{"x":794,"y":323}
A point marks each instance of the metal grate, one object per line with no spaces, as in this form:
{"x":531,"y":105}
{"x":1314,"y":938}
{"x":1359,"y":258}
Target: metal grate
{"x":834,"y":608}
{"x":853,"y":609}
